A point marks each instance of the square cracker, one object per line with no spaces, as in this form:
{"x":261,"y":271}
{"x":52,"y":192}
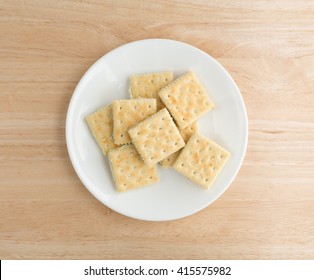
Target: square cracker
{"x":127,"y":113}
{"x":186,"y":134}
{"x":156,"y":137}
{"x":148,"y":85}
{"x":128,"y":169}
{"x":201,"y":160}
{"x":186,"y":99}
{"x":101,"y":125}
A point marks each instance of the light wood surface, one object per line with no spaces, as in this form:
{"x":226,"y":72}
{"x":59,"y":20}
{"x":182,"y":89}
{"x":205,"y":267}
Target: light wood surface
{"x":46,"y":47}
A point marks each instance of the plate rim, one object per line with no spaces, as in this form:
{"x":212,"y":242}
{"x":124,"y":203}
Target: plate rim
{"x":69,"y":117}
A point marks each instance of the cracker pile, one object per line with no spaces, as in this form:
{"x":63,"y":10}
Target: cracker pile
{"x":158,"y":124}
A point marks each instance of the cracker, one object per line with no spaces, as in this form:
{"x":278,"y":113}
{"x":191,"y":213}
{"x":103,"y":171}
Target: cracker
{"x":156,"y":137}
{"x":101,"y":125}
{"x":201,"y":160}
{"x":186,"y":134}
{"x":186,"y":99}
{"x":128,"y":169}
{"x":127,"y":113}
{"x":148,"y":85}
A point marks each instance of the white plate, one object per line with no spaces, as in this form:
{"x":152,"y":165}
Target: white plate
{"x":174,"y":196}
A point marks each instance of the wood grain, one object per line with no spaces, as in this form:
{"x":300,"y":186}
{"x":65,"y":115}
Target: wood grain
{"x":45,"y":48}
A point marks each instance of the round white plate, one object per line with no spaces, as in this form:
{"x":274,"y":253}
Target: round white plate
{"x":107,"y":80}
